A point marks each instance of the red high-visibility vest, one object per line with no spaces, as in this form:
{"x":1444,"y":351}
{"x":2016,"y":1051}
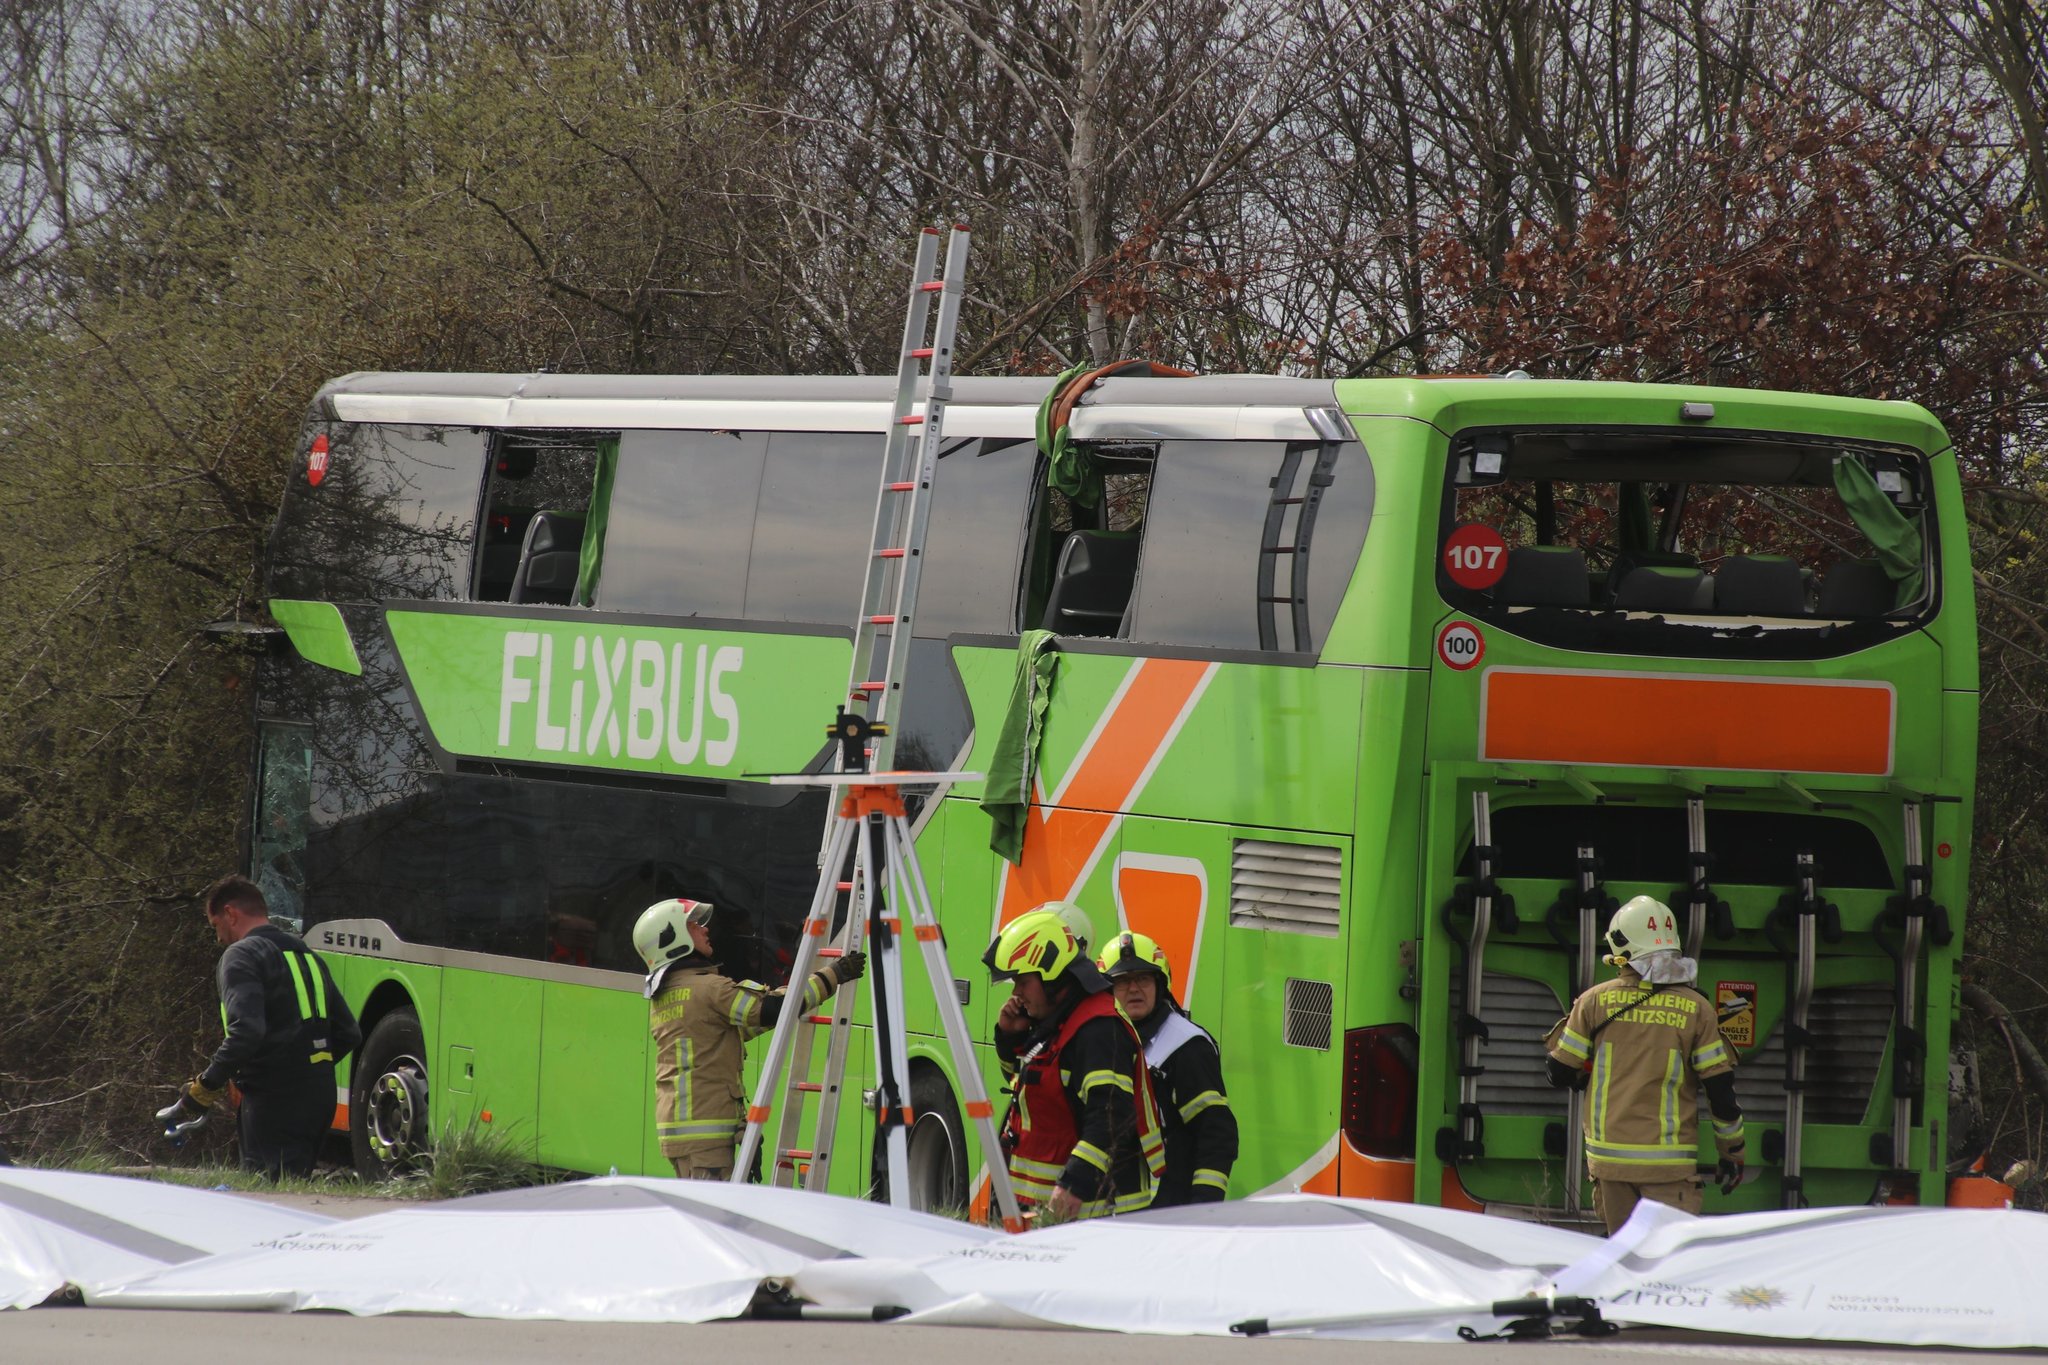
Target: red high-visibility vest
{"x":1041,"y":1130}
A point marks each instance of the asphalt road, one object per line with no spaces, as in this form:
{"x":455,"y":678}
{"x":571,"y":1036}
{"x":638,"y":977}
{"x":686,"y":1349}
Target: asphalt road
{"x":136,"y":1337}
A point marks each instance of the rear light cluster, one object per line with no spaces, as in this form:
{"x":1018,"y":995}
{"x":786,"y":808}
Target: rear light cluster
{"x":1379,"y":1090}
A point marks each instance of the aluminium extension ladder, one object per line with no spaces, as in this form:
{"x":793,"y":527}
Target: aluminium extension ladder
{"x":868,"y":826}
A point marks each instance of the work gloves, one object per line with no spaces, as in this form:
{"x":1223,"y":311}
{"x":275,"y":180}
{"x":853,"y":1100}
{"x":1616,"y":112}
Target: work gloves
{"x":851,"y":966}
{"x":1564,"y":1076}
{"x":195,"y":1097}
{"x":1728,"y":1171}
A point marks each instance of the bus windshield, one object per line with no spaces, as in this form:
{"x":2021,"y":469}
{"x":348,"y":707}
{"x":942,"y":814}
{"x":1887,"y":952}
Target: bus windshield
{"x":1651,"y":542}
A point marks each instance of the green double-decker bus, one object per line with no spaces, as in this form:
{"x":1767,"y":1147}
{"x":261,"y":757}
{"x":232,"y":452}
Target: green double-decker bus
{"x":1371,"y":698}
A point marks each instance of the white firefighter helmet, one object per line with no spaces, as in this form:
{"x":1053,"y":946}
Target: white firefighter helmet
{"x":1640,"y":927}
{"x":662,"y":934}
{"x":1075,"y":918}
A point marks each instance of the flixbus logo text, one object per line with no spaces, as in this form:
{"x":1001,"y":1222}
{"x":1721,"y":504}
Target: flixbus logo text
{"x":626,"y":696}
{"x":619,"y":698}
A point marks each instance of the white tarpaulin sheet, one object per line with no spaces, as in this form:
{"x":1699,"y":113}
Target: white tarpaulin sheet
{"x":1906,"y":1276}
{"x":623,"y":1249}
{"x":94,"y":1231}
{"x":1419,"y":1272}
{"x":628,"y":1249}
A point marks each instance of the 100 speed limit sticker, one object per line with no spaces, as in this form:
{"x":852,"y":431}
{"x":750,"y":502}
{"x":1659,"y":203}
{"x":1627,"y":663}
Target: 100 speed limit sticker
{"x":1460,"y":645}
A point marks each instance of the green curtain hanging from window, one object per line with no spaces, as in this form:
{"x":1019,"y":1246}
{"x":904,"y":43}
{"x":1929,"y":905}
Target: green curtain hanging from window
{"x":1895,"y":536}
{"x":1006,"y":795}
{"x":590,"y":564}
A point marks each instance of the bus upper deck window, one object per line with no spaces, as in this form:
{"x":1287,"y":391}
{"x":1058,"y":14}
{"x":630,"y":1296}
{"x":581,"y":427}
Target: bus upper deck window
{"x":540,"y":488}
{"x":1673,"y":541}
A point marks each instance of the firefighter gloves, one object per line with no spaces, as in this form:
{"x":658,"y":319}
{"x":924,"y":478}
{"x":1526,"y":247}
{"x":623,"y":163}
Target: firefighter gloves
{"x":1728,"y":1171}
{"x":850,"y":967}
{"x":195,"y":1097}
{"x":179,"y":1111}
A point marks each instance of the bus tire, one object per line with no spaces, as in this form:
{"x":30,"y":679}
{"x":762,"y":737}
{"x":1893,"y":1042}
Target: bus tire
{"x":938,"y":1145}
{"x":387,"y":1101}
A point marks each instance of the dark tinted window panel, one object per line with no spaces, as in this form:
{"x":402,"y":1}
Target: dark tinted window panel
{"x":981,"y":495}
{"x":526,"y":867}
{"x":1206,"y":526}
{"x":393,"y":516}
{"x":1647,"y":844}
{"x":374,"y":835}
{"x":681,"y":523}
{"x":283,"y":810}
{"x":934,"y":725}
{"x":812,"y":526}
{"x":560,"y":871}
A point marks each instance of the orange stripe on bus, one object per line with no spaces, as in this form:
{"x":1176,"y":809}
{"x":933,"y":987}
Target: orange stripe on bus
{"x":1635,"y":719}
{"x":1144,"y":715}
{"x":1060,"y":841}
{"x":1166,"y":907}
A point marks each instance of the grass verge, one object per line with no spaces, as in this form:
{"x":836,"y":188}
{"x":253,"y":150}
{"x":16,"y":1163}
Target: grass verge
{"x":465,"y":1160}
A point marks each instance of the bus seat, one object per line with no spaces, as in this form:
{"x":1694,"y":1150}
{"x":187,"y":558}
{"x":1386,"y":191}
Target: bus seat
{"x":1857,"y":587}
{"x":1092,"y":585}
{"x":549,"y":559}
{"x":1760,"y":585}
{"x":1627,"y":562}
{"x":1665,"y":587}
{"x":1545,"y":576}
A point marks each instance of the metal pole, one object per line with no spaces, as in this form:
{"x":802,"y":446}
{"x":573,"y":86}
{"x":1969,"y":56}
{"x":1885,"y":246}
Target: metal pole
{"x":1471,"y":1130}
{"x":1575,"y":1102}
{"x":892,"y":1100}
{"x":974,"y":1094}
{"x":790,"y":1020}
{"x":1797,"y":1038}
{"x":1908,"y":991}
{"x":1696,"y":844}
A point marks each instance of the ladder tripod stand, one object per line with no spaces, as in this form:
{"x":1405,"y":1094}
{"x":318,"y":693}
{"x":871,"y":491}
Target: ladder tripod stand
{"x":869,"y":825}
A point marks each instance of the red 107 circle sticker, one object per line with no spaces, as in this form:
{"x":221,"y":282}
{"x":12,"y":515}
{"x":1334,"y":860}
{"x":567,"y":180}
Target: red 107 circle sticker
{"x":1460,"y":645}
{"x":1475,"y":556}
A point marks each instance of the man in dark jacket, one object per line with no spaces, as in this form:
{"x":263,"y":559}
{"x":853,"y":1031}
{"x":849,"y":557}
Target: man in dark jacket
{"x":287,"y":1025}
{"x":1187,"y":1073}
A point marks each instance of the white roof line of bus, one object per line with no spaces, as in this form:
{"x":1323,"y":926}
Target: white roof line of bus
{"x":1102,"y":422}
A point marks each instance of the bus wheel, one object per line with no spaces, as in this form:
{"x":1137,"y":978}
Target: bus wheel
{"x":938,"y":1145}
{"x":387,"y":1101}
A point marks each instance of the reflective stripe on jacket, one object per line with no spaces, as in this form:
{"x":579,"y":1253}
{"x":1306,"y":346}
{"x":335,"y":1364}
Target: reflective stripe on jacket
{"x":1199,"y":1127}
{"x":284,"y":1020}
{"x":701,"y":1022}
{"x":1084,"y":1115}
{"x":1648,"y":1051}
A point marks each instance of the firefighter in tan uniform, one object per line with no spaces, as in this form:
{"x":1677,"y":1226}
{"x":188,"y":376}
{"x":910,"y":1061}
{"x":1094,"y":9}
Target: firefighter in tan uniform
{"x":701,"y":1022}
{"x":1642,"y":1046}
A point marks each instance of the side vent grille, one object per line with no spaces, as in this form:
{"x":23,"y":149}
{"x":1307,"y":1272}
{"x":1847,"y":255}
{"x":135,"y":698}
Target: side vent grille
{"x":1309,"y":1005}
{"x":1851,"y":1025}
{"x":1518,"y":1012}
{"x":1298,"y":888}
